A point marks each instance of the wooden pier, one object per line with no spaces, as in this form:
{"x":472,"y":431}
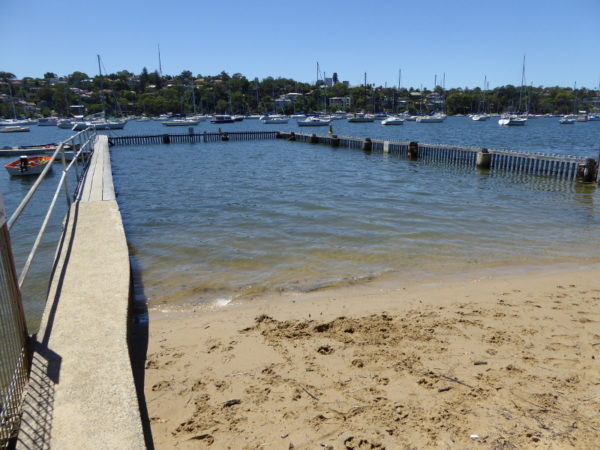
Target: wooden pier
{"x":561,"y":167}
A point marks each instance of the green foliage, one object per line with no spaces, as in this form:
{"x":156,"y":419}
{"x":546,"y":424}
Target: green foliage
{"x":152,"y":94}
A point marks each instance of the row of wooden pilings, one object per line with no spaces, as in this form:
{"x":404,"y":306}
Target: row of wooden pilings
{"x":557,"y":166}
{"x":191,"y":137}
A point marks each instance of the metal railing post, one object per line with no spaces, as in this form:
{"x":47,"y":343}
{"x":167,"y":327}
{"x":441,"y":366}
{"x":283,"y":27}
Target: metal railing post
{"x":14,"y":349}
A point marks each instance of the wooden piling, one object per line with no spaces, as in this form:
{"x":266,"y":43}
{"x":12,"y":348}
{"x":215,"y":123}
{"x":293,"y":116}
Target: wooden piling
{"x":367,"y":145}
{"x":413,"y":151}
{"x":484,"y":159}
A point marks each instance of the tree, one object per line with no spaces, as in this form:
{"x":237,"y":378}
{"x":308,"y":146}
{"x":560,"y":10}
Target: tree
{"x":49,"y":75}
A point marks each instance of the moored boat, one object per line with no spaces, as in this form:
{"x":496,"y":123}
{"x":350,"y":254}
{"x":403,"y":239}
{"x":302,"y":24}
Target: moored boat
{"x":181,"y":122}
{"x":48,"y":121}
{"x":512,"y":120}
{"x":361,"y":118}
{"x":393,"y":120}
{"x":275,"y":119}
{"x":100,"y":125}
{"x":27,"y":165}
{"x":435,"y":118}
{"x":14,"y":129}
{"x":568,"y":120}
{"x":314,"y":122}
{"x":222,"y":118}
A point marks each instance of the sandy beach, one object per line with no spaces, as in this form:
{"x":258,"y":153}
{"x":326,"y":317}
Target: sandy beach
{"x":501,"y":362}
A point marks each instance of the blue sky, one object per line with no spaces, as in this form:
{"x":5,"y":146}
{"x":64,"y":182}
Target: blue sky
{"x":465,"y":40}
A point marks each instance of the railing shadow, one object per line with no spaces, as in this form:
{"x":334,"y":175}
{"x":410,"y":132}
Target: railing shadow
{"x":38,"y":403}
{"x":138,"y":344}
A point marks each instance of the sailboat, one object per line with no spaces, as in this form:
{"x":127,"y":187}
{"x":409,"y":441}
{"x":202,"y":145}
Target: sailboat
{"x":100,"y":123}
{"x":512,"y":120}
{"x":481,"y":115}
{"x":362,"y":117}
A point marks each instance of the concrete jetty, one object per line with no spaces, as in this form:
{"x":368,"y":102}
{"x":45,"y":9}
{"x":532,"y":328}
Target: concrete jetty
{"x":81,"y":392}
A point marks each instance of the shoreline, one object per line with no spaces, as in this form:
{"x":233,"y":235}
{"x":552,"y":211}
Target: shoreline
{"x":507,"y":358}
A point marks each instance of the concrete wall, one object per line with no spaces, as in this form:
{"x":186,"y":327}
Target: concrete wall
{"x":82,"y":392}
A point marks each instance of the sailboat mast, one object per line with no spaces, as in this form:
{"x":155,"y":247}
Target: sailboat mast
{"x":365,"y":90}
{"x":522,"y":83}
{"x":159,"y":62}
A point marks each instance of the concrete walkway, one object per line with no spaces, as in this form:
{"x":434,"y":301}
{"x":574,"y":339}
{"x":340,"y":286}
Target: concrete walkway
{"x":82,"y":392}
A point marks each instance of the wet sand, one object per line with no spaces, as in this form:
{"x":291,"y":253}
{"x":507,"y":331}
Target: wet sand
{"x":496,"y":362}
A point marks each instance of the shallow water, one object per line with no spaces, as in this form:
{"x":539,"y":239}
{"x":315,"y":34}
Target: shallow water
{"x":212,"y":222}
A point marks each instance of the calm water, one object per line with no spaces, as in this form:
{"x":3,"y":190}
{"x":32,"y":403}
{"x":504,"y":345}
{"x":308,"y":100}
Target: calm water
{"x":214,"y":222}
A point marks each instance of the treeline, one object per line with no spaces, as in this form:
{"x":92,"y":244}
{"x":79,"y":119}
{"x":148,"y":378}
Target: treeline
{"x":149,"y":93}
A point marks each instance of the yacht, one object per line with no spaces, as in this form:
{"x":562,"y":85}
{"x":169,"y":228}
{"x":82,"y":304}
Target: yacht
{"x":568,"y":120}
{"x":435,"y":118}
{"x":512,"y":120}
{"x":393,"y":120}
{"x":101,"y":124}
{"x":222,"y":118}
{"x":186,"y":122}
{"x":314,"y":122}
{"x":361,"y":118}
{"x":275,"y":119}
{"x":48,"y":121}
{"x":480,"y":117}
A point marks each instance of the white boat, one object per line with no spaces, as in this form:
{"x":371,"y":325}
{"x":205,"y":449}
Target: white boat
{"x":13,"y":129}
{"x":27,"y":166}
{"x":274,"y":119}
{"x":436,"y":118}
{"x":393,"y":120}
{"x":253,"y":117}
{"x":512,"y":120}
{"x":222,"y":118}
{"x":593,"y":117}
{"x":568,"y":120}
{"x":100,"y":125}
{"x":16,"y":122}
{"x":181,"y":122}
{"x":48,"y":121}
{"x":480,"y":117}
{"x":361,"y":118}
{"x":314,"y":122}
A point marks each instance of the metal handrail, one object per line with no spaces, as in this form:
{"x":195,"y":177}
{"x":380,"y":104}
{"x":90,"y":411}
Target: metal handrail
{"x":86,"y":135}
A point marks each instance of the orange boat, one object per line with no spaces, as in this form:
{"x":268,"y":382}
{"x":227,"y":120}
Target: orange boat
{"x":27,"y":166}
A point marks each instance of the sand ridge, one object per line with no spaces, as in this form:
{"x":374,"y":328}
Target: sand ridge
{"x":500,"y":364}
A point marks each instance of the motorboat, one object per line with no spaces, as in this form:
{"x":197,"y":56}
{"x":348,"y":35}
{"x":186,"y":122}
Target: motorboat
{"x":14,"y":129}
{"x":47,"y":149}
{"x":222,"y":118}
{"x":67,"y":124}
{"x":568,"y":120}
{"x":16,"y":122}
{"x":361,"y":118}
{"x":480,"y":117}
{"x":27,"y":165}
{"x":314,"y":122}
{"x":101,"y":124}
{"x":435,"y":118}
{"x":275,"y":119}
{"x":48,"y":121}
{"x":181,"y":122}
{"x":238,"y":118}
{"x":512,"y":120}
{"x":393,"y":120}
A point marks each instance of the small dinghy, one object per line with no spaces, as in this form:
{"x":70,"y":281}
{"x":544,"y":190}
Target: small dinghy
{"x":27,"y":165}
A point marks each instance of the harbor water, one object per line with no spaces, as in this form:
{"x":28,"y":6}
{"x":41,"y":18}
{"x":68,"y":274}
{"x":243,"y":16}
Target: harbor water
{"x":215,"y":222}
